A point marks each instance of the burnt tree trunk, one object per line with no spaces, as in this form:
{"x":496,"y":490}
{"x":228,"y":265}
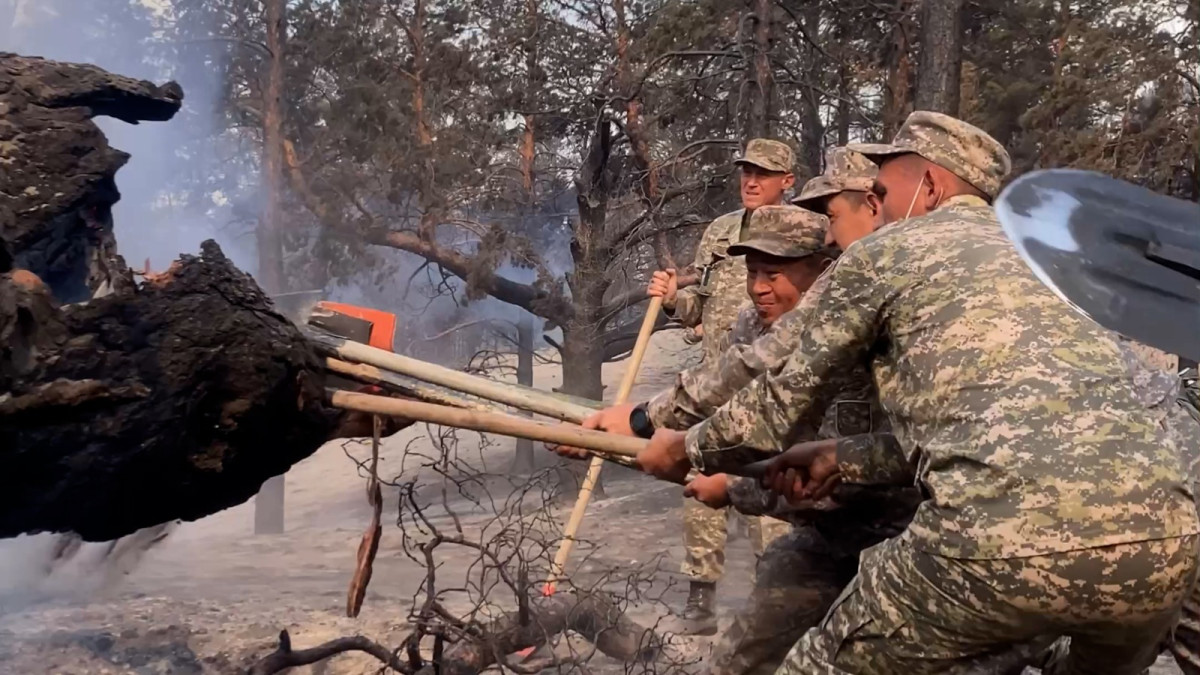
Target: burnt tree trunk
{"x":812,"y":130}
{"x":171,"y":401}
{"x":134,"y":405}
{"x":897,"y":95}
{"x":939,"y":71}
{"x":523,"y":461}
{"x":269,"y":505}
{"x":761,"y":82}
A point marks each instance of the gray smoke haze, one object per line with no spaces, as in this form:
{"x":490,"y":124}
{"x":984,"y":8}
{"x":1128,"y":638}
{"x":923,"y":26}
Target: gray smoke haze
{"x":192,"y":179}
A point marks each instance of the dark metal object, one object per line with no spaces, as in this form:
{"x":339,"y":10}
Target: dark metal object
{"x":1124,"y":256}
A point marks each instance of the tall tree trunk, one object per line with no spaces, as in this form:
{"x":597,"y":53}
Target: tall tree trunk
{"x":897,"y":93}
{"x":582,"y":365}
{"x":813,"y":130}
{"x":939,"y":73}
{"x":523,"y":459}
{"x":761,"y":82}
{"x":843,"y":107}
{"x":268,"y":506}
{"x":638,"y":141}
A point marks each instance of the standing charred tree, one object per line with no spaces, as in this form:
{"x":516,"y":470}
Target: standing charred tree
{"x":268,"y":507}
{"x":939,"y":71}
{"x":897,"y":95}
{"x":523,"y":460}
{"x":760,"y":81}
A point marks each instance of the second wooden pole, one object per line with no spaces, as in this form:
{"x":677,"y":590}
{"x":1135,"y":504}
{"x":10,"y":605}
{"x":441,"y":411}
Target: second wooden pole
{"x":593,"y":473}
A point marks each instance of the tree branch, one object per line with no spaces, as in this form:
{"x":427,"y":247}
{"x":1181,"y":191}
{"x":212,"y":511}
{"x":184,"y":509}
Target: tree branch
{"x":284,"y":658}
{"x":525,"y":296}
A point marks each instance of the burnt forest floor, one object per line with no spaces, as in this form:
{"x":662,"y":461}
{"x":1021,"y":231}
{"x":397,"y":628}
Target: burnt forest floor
{"x":212,"y":597}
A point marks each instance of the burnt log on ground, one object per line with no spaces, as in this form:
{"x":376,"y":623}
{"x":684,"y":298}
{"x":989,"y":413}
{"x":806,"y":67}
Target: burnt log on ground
{"x":592,"y":615}
{"x":174,"y":400}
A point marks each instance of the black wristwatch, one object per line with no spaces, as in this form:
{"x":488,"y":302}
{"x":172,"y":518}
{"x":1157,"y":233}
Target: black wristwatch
{"x":639,"y":421}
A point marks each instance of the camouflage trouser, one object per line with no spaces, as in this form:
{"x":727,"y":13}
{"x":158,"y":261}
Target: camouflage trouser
{"x":912,"y":612}
{"x":704,"y":533}
{"x":1185,"y":640}
{"x":798,"y":577}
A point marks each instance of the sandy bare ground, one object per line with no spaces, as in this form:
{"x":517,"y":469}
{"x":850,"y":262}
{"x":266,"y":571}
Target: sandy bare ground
{"x":212,"y":597}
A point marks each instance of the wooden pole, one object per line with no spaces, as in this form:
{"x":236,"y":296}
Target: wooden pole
{"x":407,"y":386}
{"x":524,"y":398}
{"x":490,"y":422}
{"x":597,"y":463}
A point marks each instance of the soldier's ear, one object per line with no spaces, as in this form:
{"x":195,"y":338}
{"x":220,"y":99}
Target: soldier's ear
{"x":931,"y":190}
{"x":873,"y":202}
{"x":789,"y":180}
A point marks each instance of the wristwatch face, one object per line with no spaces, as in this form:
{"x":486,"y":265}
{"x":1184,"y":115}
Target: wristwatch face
{"x":639,"y":421}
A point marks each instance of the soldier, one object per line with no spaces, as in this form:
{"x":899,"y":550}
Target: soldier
{"x":800,"y":573}
{"x":711,"y":306}
{"x":843,"y":193}
{"x":1055,"y":504}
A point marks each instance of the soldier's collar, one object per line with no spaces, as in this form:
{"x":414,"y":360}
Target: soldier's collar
{"x":965,"y":200}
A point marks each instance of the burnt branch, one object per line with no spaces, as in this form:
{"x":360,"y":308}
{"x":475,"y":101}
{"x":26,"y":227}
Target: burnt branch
{"x":285,"y":657}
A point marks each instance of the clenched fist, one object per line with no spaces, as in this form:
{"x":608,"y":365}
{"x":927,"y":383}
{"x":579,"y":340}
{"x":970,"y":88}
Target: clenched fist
{"x":664,"y":284}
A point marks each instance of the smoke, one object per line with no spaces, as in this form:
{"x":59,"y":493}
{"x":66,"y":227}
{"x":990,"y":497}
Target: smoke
{"x":180,"y":187}
{"x":175,"y":190}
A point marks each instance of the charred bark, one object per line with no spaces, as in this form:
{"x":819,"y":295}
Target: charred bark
{"x":58,"y":183}
{"x":173,"y":400}
{"x":897,"y":96}
{"x":591,"y":615}
{"x":939,"y":71}
{"x":145,"y":404}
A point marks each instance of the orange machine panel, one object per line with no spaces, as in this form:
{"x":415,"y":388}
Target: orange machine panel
{"x":383,"y":324}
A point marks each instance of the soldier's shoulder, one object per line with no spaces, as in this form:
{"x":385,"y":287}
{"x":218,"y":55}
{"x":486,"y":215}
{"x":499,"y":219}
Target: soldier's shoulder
{"x":728,"y":219}
{"x":936,"y":229}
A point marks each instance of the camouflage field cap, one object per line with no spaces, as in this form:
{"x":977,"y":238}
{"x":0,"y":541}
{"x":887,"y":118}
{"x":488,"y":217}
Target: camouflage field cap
{"x":783,"y":231}
{"x":768,"y":154}
{"x":967,"y":151}
{"x":844,"y":170}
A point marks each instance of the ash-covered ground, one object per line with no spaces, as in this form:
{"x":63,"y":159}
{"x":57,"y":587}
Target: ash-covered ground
{"x":212,"y":597}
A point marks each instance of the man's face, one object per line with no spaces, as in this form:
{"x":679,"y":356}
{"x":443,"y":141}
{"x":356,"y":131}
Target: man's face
{"x":776,"y":284}
{"x":852,"y":216}
{"x":762,"y":188}
{"x":901,"y":179}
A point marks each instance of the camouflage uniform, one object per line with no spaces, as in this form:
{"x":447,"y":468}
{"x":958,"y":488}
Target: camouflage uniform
{"x":714,"y":303}
{"x":1158,"y":387}
{"x":800,"y":573}
{"x":1056,"y":505}
{"x":1185,"y":639}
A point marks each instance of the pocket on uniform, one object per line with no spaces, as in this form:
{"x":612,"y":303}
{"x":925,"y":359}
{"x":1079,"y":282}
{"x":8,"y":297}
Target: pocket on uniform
{"x":856,"y":627}
{"x":852,"y":418}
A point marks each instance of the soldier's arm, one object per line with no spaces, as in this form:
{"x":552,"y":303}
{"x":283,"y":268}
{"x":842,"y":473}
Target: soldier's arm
{"x":761,"y":419}
{"x":688,"y":307}
{"x":874,"y":459}
{"x":748,"y":496}
{"x":698,"y":392}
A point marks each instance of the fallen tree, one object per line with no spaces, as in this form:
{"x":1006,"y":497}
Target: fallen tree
{"x":172,"y":400}
{"x":134,"y":405}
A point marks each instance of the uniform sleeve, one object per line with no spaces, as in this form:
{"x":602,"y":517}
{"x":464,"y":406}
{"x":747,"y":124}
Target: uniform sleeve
{"x":760,"y":419}
{"x":749,"y":497}
{"x":874,"y":459}
{"x":699,"y":391}
{"x":688,"y":308}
